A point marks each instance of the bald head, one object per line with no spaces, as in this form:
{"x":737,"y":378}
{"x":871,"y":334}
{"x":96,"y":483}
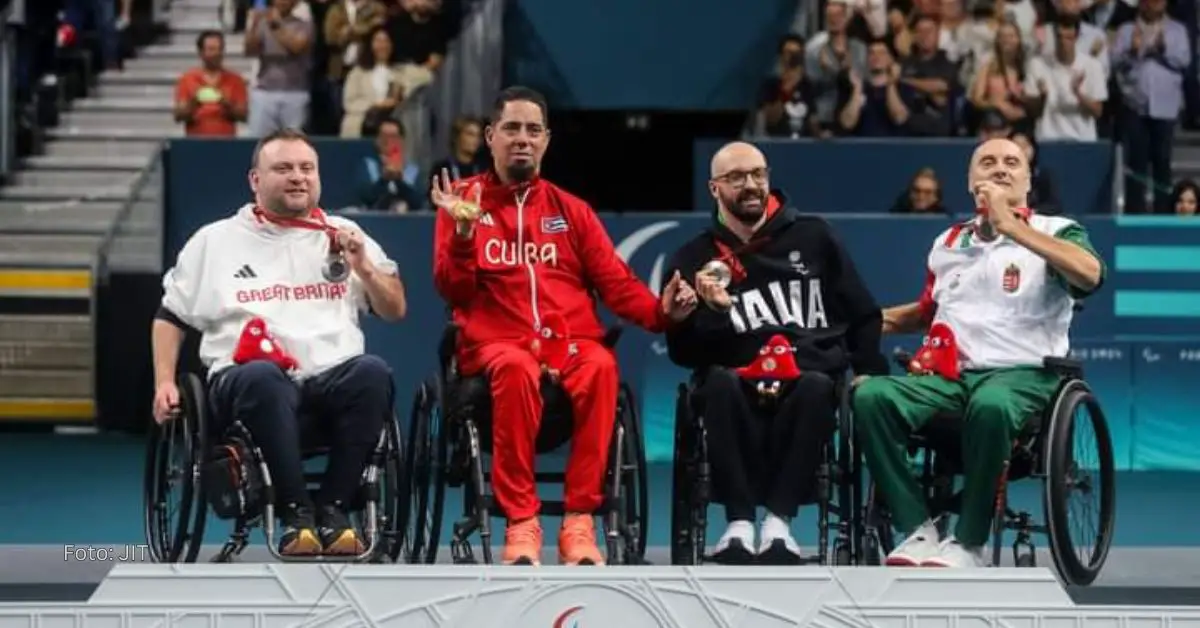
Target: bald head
{"x":1003,"y":162}
{"x":740,"y":182}
{"x":736,"y":156}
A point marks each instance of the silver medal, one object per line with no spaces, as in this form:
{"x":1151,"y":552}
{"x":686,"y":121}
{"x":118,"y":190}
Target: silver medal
{"x":720,"y":271}
{"x":336,"y":269}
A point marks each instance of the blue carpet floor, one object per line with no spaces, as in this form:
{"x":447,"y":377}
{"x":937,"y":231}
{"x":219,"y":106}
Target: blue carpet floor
{"x":88,"y":489}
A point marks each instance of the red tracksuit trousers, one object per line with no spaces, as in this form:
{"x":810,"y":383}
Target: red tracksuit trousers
{"x":590,"y":380}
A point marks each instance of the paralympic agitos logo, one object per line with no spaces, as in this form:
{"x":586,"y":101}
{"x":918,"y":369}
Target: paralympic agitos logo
{"x":632,"y":243}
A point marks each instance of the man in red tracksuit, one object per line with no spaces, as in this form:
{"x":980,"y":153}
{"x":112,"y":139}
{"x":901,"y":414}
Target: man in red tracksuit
{"x":518,"y":260}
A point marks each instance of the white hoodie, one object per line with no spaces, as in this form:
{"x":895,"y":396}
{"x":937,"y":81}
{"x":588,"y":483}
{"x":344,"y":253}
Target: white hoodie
{"x":241,"y":267}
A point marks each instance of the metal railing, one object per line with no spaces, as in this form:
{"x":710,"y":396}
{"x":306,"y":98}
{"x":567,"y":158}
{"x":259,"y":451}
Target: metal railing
{"x":8,"y":90}
{"x":133,"y":242}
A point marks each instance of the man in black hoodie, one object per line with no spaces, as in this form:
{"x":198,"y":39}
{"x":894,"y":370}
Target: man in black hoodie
{"x":777,"y":286}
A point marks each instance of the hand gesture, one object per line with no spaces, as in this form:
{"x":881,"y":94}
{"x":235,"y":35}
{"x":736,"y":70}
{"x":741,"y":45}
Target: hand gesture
{"x":1097,"y":47}
{"x":464,"y":212}
{"x":166,"y":402}
{"x":1077,"y":82}
{"x":354,"y":246}
{"x":678,"y":299}
{"x":711,"y":291}
{"x":992,"y":198}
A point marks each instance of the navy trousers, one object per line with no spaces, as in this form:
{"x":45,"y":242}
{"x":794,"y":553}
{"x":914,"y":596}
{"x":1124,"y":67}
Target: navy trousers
{"x":343,"y":408}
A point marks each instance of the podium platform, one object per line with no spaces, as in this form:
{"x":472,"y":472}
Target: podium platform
{"x":269,"y":595}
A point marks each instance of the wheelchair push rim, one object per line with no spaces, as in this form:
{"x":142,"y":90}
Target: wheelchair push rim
{"x":426,"y":459}
{"x":1079,"y":463}
{"x":688,"y":509}
{"x":634,"y":483}
{"x":393,"y":496}
{"x":181,"y":540}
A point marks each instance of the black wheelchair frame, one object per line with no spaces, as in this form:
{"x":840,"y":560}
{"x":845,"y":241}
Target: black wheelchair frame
{"x":692,"y":492}
{"x":380,"y":511}
{"x":450,"y":431}
{"x":1043,"y":451}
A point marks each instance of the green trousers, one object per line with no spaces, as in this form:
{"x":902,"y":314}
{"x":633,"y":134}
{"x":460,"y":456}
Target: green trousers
{"x":994,"y":404}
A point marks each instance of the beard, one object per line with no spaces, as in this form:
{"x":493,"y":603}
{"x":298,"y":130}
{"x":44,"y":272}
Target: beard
{"x":740,"y":207}
{"x":284,"y":206}
{"x":520,"y":172}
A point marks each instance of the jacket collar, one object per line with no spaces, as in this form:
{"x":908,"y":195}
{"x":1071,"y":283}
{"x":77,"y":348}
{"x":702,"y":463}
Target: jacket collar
{"x":779,"y":216}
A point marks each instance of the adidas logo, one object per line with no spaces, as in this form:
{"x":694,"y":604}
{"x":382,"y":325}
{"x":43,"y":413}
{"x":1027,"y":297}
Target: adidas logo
{"x":486,"y":219}
{"x":245,"y":272}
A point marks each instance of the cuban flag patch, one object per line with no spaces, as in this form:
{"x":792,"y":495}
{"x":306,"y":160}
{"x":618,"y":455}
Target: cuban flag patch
{"x":554,"y":224}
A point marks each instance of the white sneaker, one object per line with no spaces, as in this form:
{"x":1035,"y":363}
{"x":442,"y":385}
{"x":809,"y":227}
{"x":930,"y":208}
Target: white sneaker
{"x":734,"y":546}
{"x":775,"y":543}
{"x":953,"y":554}
{"x":916,"y":549}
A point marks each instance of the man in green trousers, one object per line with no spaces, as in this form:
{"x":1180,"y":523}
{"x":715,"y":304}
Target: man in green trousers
{"x":1004,"y":284}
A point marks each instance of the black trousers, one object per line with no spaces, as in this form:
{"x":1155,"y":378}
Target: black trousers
{"x":1148,"y":146}
{"x":766,"y":455}
{"x":343,"y":408}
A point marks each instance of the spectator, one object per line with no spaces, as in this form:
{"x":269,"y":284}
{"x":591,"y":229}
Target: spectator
{"x":899,"y":35}
{"x":954,"y":30}
{"x":390,"y":178}
{"x":932,"y":77}
{"x":993,"y":125}
{"x":98,"y":16}
{"x":1071,"y":88}
{"x":1149,"y":58}
{"x":868,"y":19}
{"x":347,"y":24}
{"x":1043,"y":194}
{"x":828,"y":57}
{"x":1021,"y":13}
{"x":1184,"y":197}
{"x":787,"y":101}
{"x":878,"y":105}
{"x":374,"y":88}
{"x":924,"y":195}
{"x":282,"y":43}
{"x":209,"y":99}
{"x":464,"y":160}
{"x":422,"y":34}
{"x":999,"y":83}
{"x":1089,"y":42}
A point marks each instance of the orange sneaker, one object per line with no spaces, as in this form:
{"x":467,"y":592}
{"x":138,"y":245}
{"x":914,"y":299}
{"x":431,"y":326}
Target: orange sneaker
{"x":577,"y":541}
{"x":523,"y":542}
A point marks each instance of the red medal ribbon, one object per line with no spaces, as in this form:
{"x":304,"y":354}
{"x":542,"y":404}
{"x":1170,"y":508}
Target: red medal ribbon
{"x":729,"y":256}
{"x":319,"y":224}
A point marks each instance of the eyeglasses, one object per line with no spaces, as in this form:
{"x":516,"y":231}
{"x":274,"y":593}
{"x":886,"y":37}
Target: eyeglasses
{"x":737,"y":178}
{"x":921,"y":191}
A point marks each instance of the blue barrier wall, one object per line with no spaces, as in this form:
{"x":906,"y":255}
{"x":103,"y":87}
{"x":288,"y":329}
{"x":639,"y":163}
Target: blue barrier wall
{"x":867,"y":175}
{"x":1140,"y":336}
{"x":626,"y":54}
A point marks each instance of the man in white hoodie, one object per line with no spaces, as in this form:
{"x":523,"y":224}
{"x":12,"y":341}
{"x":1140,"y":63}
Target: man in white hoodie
{"x":280,"y":271}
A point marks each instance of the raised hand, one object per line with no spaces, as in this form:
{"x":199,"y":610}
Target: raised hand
{"x":464,"y":212}
{"x":678,"y":299}
{"x":714,"y":294}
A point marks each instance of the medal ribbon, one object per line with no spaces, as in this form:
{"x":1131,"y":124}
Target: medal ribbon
{"x":319,"y":224}
{"x":729,"y":256}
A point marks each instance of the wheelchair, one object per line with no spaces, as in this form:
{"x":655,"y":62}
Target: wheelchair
{"x":1047,"y":450}
{"x":449,"y":434}
{"x":228,"y":474}
{"x":692,"y":483}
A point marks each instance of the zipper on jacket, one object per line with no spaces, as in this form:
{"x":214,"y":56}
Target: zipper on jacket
{"x":520,"y":197}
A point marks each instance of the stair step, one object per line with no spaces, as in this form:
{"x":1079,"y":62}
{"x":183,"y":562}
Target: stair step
{"x":43,"y":410}
{"x":48,"y":250}
{"x":158,"y":121}
{"x":136,"y":133}
{"x":60,"y":196}
{"x":135,"y":91}
{"x":76,"y":218}
{"x":43,"y":354}
{"x":52,"y":384}
{"x":87,"y":179}
{"x":178,"y":64}
{"x":66,"y":329}
{"x":132,"y":76}
{"x":106,"y":104}
{"x":87,"y":162}
{"x":185,"y":35}
{"x":121,"y":149}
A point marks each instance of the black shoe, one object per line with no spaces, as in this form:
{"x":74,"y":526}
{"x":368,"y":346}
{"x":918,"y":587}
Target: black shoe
{"x":299,"y":536}
{"x":735,"y":553}
{"x":338,"y":537}
{"x":778,"y":553}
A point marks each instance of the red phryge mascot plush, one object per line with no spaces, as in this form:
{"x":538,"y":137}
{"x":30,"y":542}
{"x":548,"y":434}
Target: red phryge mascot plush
{"x":938,"y":354}
{"x":554,"y":347}
{"x":257,"y":343}
{"x":775,"y":364}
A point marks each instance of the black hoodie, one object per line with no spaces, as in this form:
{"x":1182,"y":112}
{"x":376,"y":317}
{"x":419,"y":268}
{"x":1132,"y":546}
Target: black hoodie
{"x":799,"y":282}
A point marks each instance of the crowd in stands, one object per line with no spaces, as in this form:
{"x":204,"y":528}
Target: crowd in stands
{"x":345,"y":68}
{"x":1034,"y":70}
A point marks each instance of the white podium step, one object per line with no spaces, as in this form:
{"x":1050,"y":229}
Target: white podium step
{"x":265,"y":596}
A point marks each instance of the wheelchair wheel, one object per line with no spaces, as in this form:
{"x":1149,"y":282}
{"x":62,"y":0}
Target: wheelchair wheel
{"x":175,"y":453}
{"x":689,"y":504}
{"x":427,"y":475}
{"x":848,"y":478}
{"x":393,"y":495}
{"x":1079,"y":463}
{"x":635,"y":491}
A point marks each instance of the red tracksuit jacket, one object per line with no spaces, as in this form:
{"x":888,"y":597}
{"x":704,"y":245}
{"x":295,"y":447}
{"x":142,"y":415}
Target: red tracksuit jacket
{"x":537,"y":254}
